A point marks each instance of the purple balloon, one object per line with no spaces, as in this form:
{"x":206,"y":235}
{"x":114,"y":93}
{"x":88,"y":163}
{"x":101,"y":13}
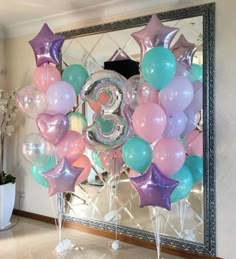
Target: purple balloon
{"x":52,"y":127}
{"x":62,"y":178}
{"x":154,"y":188}
{"x":192,"y":121}
{"x":177,"y":95}
{"x":61,"y":97}
{"x":181,"y":70}
{"x":46,"y":46}
{"x":196,"y":104}
{"x":176,"y":124}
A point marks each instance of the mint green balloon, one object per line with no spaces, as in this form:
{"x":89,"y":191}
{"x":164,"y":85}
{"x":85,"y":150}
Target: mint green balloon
{"x":137,"y":154}
{"x":196,"y":73}
{"x":96,"y":159}
{"x":75,"y":75}
{"x":195,"y":165}
{"x":158,"y":67}
{"x":37,"y":171}
{"x":184,"y":177}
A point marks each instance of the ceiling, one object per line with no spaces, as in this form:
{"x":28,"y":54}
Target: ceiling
{"x":19,"y":17}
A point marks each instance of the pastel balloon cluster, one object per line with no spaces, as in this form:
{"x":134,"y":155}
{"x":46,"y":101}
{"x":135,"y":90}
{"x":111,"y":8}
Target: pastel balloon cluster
{"x":58,"y":146}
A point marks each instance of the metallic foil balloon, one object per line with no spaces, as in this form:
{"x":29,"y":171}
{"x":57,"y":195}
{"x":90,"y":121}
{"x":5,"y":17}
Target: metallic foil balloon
{"x":46,"y":46}
{"x":62,"y":178}
{"x":37,"y":150}
{"x":184,"y":51}
{"x":115,"y":112}
{"x":154,"y":34}
{"x":30,"y":101}
{"x":154,"y":189}
{"x":52,"y":127}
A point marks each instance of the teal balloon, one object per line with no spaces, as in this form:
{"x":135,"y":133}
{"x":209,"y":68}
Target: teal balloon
{"x":184,"y":177}
{"x":195,"y":165}
{"x":96,"y":159}
{"x":137,"y":154}
{"x":196,"y":73}
{"x":76,"y":75}
{"x":36,"y":172}
{"x":106,"y":126}
{"x":158,"y":67}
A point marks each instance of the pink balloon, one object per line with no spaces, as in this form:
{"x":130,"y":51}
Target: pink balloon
{"x":175,"y":125}
{"x":71,"y":146}
{"x":44,"y":76}
{"x":83,"y":162}
{"x":168,"y":155}
{"x":147,"y":94}
{"x":181,"y":70}
{"x":177,"y":95}
{"x":61,"y":97}
{"x":52,"y":127}
{"x":112,"y":161}
{"x":194,"y":143}
{"x":149,"y":121}
{"x":30,"y":101}
{"x":197,"y":102}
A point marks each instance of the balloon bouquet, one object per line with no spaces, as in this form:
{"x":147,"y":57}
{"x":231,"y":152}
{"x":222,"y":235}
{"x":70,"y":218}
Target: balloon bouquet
{"x":149,"y":122}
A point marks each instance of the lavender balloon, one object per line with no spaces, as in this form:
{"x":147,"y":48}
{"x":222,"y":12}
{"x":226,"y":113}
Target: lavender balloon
{"x":196,"y":104}
{"x":192,"y":121}
{"x":61,"y":97}
{"x":62,"y":178}
{"x":177,"y":95}
{"x":154,"y":188}
{"x":175,"y":125}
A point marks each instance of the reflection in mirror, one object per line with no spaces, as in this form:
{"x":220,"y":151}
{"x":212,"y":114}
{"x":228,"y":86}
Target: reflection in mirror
{"x":108,"y":197}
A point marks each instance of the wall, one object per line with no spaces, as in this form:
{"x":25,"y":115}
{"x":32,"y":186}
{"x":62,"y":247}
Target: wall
{"x":2,"y":65}
{"x":20,"y":65}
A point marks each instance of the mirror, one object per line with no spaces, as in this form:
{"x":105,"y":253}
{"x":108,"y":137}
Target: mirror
{"x":108,"y":201}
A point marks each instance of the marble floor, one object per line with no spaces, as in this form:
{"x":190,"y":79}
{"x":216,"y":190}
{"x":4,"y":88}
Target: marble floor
{"x":37,"y":240}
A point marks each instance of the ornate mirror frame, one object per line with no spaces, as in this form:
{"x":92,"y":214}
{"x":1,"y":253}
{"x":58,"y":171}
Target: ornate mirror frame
{"x":207,"y":11}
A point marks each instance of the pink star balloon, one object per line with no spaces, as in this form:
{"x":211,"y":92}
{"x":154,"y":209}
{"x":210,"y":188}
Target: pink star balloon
{"x":62,"y":178}
{"x":184,"y":51}
{"x":46,"y":46}
{"x":154,"y":188}
{"x":154,"y":34}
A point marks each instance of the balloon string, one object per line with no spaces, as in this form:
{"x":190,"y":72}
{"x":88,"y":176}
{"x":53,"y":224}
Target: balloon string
{"x":155,"y":218}
{"x":60,"y":206}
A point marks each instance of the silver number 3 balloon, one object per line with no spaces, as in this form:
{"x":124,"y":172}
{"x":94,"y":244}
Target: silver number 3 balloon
{"x":112,"y":126}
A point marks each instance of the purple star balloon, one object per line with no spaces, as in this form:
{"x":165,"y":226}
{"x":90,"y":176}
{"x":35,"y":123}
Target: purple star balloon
{"x":184,"y":51}
{"x":154,"y":188}
{"x":46,"y":46}
{"x":154,"y":34}
{"x":62,"y":178}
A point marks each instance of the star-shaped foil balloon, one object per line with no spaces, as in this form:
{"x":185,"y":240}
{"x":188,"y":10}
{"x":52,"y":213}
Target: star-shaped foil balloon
{"x":184,"y":51}
{"x":62,"y":178}
{"x":154,"y":34}
{"x":46,"y":46}
{"x":154,"y":188}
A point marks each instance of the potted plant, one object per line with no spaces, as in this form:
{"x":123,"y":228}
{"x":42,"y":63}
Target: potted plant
{"x":7,"y":181}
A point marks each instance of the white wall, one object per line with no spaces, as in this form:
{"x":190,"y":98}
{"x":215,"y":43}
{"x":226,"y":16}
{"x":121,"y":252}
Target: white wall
{"x":20,"y":65}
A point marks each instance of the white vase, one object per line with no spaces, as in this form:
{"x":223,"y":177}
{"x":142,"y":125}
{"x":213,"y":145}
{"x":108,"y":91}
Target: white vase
{"x":7,"y":200}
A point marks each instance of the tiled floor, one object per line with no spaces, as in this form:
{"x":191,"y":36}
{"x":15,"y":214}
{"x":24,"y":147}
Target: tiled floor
{"x":37,"y":240}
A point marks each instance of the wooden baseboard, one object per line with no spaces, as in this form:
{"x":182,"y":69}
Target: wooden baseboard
{"x":100,"y":232}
